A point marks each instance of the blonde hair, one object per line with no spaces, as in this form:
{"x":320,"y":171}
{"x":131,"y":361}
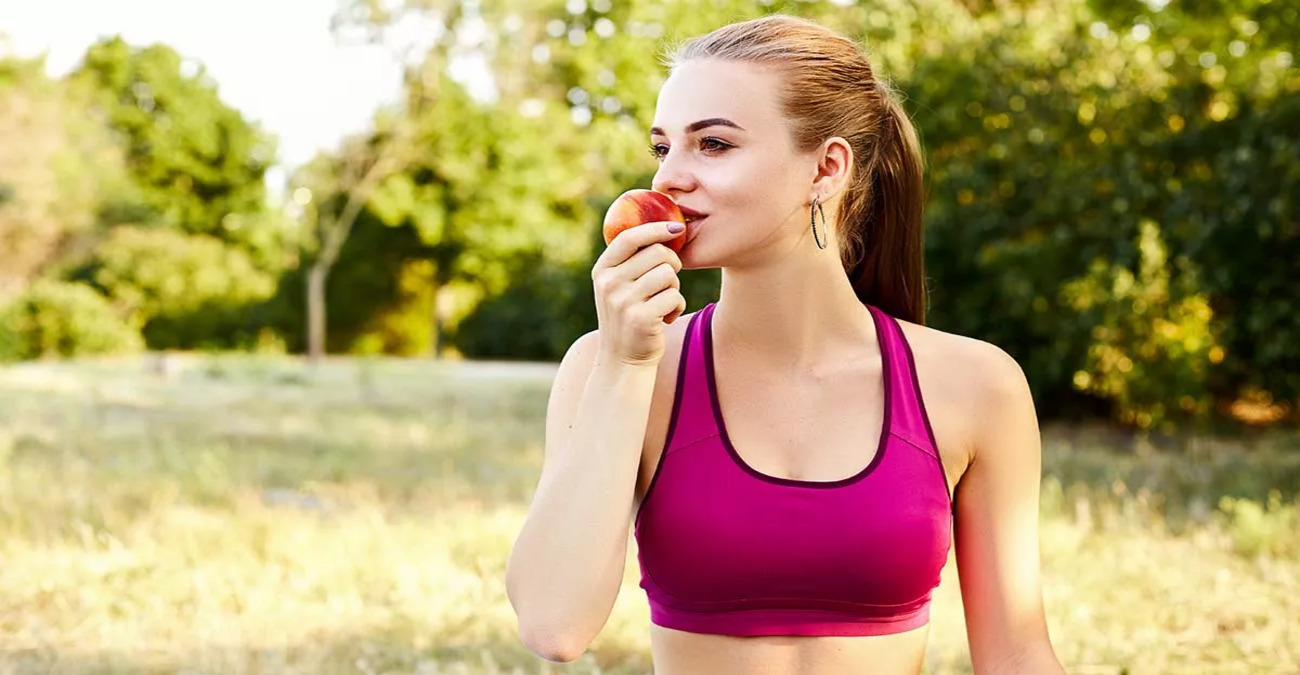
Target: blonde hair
{"x":833,"y":91}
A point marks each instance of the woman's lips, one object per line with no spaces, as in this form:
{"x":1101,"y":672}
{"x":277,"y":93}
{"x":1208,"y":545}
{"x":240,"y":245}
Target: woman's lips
{"x":693,"y":226}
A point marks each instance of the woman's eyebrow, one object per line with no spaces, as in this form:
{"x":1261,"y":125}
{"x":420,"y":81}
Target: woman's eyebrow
{"x":702,"y":124}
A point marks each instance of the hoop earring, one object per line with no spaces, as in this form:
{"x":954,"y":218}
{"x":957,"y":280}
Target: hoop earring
{"x":812,"y":216}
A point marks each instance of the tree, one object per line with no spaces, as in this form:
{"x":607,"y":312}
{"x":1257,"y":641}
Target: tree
{"x":485,"y":190}
{"x":184,"y":291}
{"x":354,"y":175}
{"x":58,"y":166}
{"x":195,"y":163}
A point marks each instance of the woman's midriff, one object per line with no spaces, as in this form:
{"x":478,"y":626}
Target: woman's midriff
{"x":680,"y":653}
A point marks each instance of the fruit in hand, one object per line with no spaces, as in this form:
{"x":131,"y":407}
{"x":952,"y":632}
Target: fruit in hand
{"x":639,"y":206}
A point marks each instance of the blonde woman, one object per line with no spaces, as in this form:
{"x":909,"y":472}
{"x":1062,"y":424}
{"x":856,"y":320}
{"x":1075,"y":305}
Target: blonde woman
{"x":787,"y":455}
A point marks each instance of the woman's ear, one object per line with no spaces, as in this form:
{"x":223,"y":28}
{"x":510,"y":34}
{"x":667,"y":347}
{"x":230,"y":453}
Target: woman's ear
{"x":834,"y":167}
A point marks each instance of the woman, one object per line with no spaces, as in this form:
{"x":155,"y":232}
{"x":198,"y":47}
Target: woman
{"x":785,"y":453}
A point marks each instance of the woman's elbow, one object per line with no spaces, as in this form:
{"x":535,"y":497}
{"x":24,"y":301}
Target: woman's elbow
{"x":546,"y":636}
{"x":543,"y":625}
{"x":551,"y":644}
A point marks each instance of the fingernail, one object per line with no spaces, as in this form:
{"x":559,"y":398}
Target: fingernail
{"x":676,"y":227}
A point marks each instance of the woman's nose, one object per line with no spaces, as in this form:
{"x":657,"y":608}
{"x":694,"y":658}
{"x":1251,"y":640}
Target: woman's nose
{"x":672,"y":176}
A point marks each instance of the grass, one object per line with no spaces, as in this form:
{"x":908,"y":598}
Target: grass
{"x":247,"y":515}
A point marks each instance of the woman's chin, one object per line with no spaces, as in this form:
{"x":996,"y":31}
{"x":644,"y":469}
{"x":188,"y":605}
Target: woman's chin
{"x":692,"y":259}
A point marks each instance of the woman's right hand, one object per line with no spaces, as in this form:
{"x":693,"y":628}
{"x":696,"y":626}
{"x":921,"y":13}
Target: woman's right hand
{"x":637,"y":292}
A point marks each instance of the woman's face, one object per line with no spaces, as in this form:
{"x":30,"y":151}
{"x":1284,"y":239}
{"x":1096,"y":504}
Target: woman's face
{"x":725,"y":152}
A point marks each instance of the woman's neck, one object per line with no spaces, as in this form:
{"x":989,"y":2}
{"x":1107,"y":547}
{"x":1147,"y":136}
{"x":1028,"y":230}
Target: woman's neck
{"x":799,"y":315}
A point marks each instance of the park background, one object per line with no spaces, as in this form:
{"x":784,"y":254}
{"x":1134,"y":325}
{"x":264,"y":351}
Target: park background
{"x":270,"y":414}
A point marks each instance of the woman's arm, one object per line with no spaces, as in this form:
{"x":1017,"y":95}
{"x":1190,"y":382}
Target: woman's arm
{"x":565,"y":569}
{"x":997,"y":526}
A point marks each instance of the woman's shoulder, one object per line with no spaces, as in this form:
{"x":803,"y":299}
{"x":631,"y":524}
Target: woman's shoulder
{"x":974,"y":371}
{"x":969,"y":357}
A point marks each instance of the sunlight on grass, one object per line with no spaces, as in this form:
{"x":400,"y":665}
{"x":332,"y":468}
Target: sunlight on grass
{"x":248,"y":515}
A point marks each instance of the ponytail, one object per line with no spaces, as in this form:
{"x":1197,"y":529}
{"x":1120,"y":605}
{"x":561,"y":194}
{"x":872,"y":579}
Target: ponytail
{"x":887,"y":262}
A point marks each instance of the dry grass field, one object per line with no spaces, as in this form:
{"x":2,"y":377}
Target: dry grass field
{"x":247,"y":515}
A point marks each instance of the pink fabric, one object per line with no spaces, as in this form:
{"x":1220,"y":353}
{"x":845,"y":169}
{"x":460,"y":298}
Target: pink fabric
{"x":726,"y":549}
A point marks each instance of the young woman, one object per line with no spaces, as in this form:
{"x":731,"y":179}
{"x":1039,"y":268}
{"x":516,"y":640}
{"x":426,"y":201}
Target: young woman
{"x":785,"y":454}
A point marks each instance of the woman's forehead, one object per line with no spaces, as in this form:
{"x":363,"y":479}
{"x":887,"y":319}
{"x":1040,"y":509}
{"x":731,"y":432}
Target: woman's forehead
{"x":743,"y":93}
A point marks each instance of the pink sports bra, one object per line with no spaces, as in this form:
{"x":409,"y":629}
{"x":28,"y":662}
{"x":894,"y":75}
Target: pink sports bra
{"x":726,"y":549}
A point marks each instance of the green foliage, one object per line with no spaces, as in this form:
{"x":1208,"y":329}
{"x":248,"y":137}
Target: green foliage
{"x":487,"y":187}
{"x":184,"y":290}
{"x":363,"y":288}
{"x":1053,"y":135}
{"x":60,"y":319}
{"x":196,"y":163}
{"x":545,"y":308}
{"x":1111,"y":187}
{"x":58,"y":168}
{"x":1151,"y":344}
{"x":548,"y":308}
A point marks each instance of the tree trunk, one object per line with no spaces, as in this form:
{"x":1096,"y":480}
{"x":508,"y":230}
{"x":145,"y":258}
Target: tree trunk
{"x":316,"y":311}
{"x":437,"y":318}
{"x":334,"y":231}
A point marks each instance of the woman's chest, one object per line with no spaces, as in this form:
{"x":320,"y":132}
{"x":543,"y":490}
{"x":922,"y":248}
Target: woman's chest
{"x":821,"y":433}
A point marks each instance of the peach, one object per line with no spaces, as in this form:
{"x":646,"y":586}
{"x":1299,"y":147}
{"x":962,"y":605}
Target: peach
{"x":640,"y":206}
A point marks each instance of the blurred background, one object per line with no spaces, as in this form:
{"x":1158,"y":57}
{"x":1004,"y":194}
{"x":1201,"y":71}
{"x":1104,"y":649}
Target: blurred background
{"x":283,"y":286}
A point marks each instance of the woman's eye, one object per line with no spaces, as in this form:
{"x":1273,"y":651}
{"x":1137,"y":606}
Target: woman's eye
{"x":713,"y":144}
{"x":659,"y":150}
